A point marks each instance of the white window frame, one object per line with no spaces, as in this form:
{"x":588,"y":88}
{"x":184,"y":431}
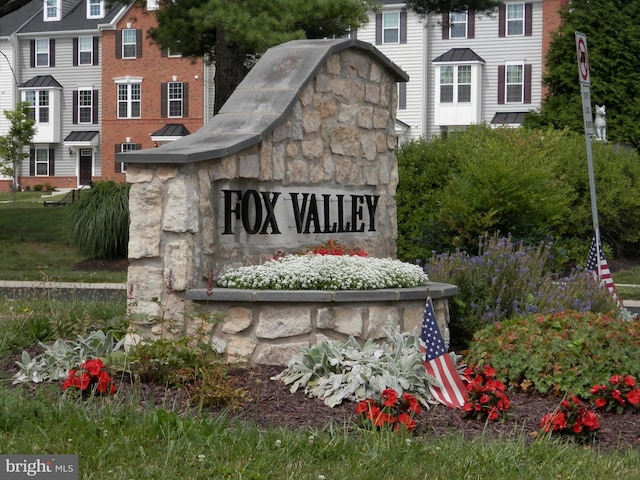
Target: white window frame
{"x":457,"y":19}
{"x":515,"y":19}
{"x":126,"y":147}
{"x":390,"y":26}
{"x":91,"y":11}
{"x":85,"y":105}
{"x":131,"y":87}
{"x":52,"y":11}
{"x":41,"y":159}
{"x":42,"y":50}
{"x":511,"y":81}
{"x":173,"y":54}
{"x":40,"y":101}
{"x":456,"y":76}
{"x":88,"y":48}
{"x":127,"y":42}
{"x":175,"y":97}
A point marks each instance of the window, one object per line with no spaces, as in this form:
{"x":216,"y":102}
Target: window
{"x":129,"y":100}
{"x":85,"y":106}
{"x":121,"y":167}
{"x":391,"y":27}
{"x":455,"y":83}
{"x":85,"y":51}
{"x":39,"y":101}
{"x":129,"y":43}
{"x":514,"y":84}
{"x":464,"y":83}
{"x":52,"y":10}
{"x":515,"y":19}
{"x":446,"y":84}
{"x":175,"y":99}
{"x":95,"y":9}
{"x":458,"y":25}
{"x":42,"y":52}
{"x":42,"y":162}
{"x":402,"y":95}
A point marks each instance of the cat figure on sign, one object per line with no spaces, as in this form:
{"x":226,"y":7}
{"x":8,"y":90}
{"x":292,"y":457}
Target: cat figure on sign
{"x":600,"y":123}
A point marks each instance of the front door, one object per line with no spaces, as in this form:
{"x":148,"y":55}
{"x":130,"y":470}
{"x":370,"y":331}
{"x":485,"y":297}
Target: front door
{"x":86,"y":161}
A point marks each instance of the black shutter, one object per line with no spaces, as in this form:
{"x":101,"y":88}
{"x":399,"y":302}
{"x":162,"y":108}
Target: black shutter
{"x":94,"y":107}
{"x":164,"y":52}
{"x":501,"y":84}
{"x":403,"y":26}
{"x":402,"y":95}
{"x":185,"y":99}
{"x":164,"y":95}
{"x":137,"y":146}
{"x":52,"y":52}
{"x":378,"y":28}
{"x":118,"y":165}
{"x":74,"y":113}
{"x":52,"y":156}
{"x":471,"y":24}
{"x":502,"y":20}
{"x":75,"y":52}
{"x":528,"y":19}
{"x":32,"y":162}
{"x":96,"y":50}
{"x":32,"y":53}
{"x":138,"y":43}
{"x":527,"y":83}
{"x":119,"y":44}
{"x":445,"y":26}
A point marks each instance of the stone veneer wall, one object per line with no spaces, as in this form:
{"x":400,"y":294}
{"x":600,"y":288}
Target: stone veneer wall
{"x":311,"y":114}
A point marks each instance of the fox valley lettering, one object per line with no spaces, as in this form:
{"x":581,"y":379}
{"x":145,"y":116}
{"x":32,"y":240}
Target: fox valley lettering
{"x":262,"y":212}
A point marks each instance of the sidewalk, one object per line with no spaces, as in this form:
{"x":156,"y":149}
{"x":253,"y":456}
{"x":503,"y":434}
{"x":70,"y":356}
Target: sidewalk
{"x":64,"y":290}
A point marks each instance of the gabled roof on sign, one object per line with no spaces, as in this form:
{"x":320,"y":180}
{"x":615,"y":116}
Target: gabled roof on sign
{"x":263,"y":100}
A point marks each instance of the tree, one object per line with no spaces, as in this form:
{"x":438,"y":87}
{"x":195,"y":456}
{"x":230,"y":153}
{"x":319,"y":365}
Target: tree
{"x":614,"y":67}
{"x":234,"y":33}
{"x":12,"y":144}
{"x":425,"y":7}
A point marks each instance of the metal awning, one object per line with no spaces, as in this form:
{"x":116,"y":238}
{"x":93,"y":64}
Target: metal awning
{"x":170,"y":132}
{"x":80,"y":138}
{"x":508,"y":118}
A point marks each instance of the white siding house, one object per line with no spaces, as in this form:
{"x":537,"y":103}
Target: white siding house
{"x":464,"y":67}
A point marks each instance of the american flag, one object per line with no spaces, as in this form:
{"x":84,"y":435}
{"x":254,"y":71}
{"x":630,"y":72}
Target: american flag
{"x":603,"y":272}
{"x":438,"y":364}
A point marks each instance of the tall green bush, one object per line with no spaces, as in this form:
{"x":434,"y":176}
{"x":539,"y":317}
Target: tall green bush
{"x":99,"y":221}
{"x":530,"y":184}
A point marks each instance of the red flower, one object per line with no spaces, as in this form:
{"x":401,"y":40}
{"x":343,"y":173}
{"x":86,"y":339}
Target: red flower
{"x":93,"y":366}
{"x":390,"y":397}
{"x":600,"y":402}
{"x":633,"y":397}
{"x":629,"y":381}
{"x":406,"y":420}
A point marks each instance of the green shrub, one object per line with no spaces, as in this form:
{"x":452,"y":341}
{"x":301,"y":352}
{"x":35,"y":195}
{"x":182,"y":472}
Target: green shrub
{"x":37,"y":188}
{"x":561,"y":353}
{"x":532,"y":185}
{"x":509,"y":279}
{"x":99,"y":221}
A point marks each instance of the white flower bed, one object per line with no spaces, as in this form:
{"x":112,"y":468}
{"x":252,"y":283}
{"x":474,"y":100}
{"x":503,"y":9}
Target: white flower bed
{"x":325,"y":272}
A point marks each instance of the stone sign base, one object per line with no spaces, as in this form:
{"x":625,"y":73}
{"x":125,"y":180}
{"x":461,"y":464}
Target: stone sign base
{"x":268,"y":327}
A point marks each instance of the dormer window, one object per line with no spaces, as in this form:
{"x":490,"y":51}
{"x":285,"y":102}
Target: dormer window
{"x":52,"y":10}
{"x":95,"y":8}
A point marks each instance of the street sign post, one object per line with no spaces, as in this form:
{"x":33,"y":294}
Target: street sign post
{"x":585,"y":92}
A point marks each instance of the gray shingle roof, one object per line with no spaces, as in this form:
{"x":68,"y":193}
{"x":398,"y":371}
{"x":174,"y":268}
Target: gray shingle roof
{"x":76,"y":19}
{"x":9,"y":24}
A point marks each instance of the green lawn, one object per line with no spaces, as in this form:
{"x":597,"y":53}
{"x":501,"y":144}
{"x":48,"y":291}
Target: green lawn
{"x":34,"y":246}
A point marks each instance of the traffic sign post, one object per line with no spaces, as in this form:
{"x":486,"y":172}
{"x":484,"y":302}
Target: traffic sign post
{"x":585,"y":93}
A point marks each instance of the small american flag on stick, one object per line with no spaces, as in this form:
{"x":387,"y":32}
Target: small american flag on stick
{"x":438,"y":363}
{"x":600,"y":268}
